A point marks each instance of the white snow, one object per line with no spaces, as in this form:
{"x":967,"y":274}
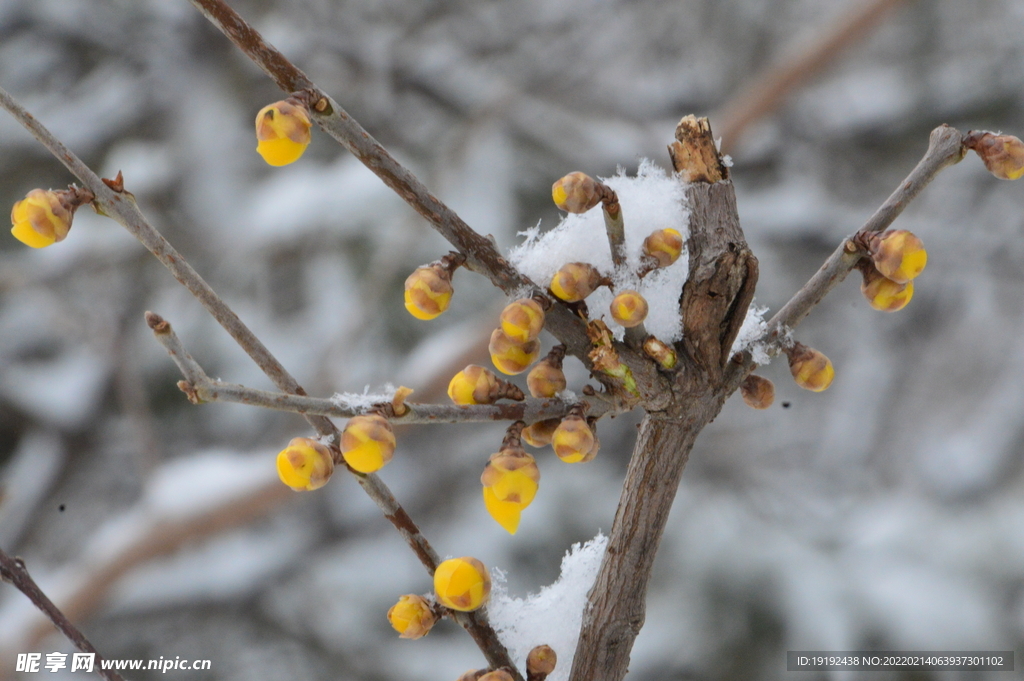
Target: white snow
{"x":364,"y":400}
{"x":753,"y":328}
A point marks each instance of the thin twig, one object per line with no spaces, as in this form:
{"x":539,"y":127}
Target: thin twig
{"x":13,"y":570}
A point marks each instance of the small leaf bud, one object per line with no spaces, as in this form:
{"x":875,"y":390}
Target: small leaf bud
{"x":462,"y":583}
{"x":547,"y":379}
{"x":898,"y":254}
{"x":757,"y":392}
{"x":575,"y":281}
{"x":810,"y":368}
{"x":43,"y":217}
{"x":540,"y":662}
{"x":629,"y":309}
{"x":576,"y":192}
{"x":661,"y":352}
{"x":305,"y":464}
{"x":1003,"y":155}
{"x":412,"y":617}
{"x":367,"y":443}
{"x":282,"y":131}
{"x":496,"y":675}
{"x":573,"y":439}
{"x":522,"y":320}
{"x":510,"y":357}
{"x":664,"y":245}
{"x":428,"y":291}
{"x":510,"y":481}
{"x":883,"y":293}
{"x":539,"y":434}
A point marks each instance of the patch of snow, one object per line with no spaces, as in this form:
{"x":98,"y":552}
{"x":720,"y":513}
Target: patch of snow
{"x":364,"y":400}
{"x":753,"y":328}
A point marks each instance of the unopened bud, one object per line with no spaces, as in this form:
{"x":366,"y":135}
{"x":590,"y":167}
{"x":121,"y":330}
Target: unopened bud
{"x":522,"y":320}
{"x":575,"y":281}
{"x":473,"y":385}
{"x":539,"y":434}
{"x":462,"y":583}
{"x":367,"y":443}
{"x":811,"y":369}
{"x":757,"y":392}
{"x":282,"y":131}
{"x":1003,"y":155}
{"x":576,"y":192}
{"x":43,"y":217}
{"x":510,"y":357}
{"x":428,"y":291}
{"x":629,"y":309}
{"x":661,"y":352}
{"x":412,"y":617}
{"x":883,"y":293}
{"x":496,"y":675}
{"x":510,"y":481}
{"x":540,"y":662}
{"x":573,"y":439}
{"x":664,"y":245}
{"x":547,"y":379}
{"x":305,"y":464}
{"x":898,"y":255}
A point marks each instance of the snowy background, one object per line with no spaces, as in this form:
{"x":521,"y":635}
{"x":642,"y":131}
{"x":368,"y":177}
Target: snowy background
{"x":885,"y":513}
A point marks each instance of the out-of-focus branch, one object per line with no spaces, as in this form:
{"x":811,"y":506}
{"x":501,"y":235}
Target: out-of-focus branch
{"x":13,"y":570}
{"x":768,"y":89}
{"x":945,"y":148}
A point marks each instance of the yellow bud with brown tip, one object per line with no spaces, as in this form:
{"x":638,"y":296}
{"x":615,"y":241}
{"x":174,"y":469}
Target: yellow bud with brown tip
{"x":540,"y":662}
{"x":758,"y":392}
{"x":575,"y":281}
{"x":522,"y":320}
{"x":811,"y":369}
{"x":539,"y":434}
{"x":576,"y":192}
{"x":510,"y":481}
{"x":473,"y":385}
{"x":1003,"y":155}
{"x":428,"y":291}
{"x":546,"y":379}
{"x":510,"y":357}
{"x":367,"y":443}
{"x":883,"y":293}
{"x":43,"y":217}
{"x":629,"y":309}
{"x":573,"y":440}
{"x":305,"y":464}
{"x":899,"y":255}
{"x":462,"y":583}
{"x":664,"y":245}
{"x":282,"y":131}
{"x":412,"y":617}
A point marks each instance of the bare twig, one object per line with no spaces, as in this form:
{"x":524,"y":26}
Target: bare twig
{"x":13,"y":570}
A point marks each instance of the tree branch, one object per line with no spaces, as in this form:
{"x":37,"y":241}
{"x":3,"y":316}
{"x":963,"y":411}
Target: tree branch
{"x":13,"y":570}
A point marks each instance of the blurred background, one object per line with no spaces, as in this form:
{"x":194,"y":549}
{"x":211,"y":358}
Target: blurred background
{"x":885,"y":513}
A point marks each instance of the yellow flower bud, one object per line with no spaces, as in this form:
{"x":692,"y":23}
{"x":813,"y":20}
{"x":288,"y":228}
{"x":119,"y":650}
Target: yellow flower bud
{"x":282,"y":131}
{"x":510,"y":480}
{"x":539,"y":434}
{"x":757,"y":392}
{"x":573,"y":440}
{"x":1003,"y":155}
{"x":664,"y":245}
{"x":811,"y":369}
{"x":522,"y":320}
{"x":428,"y":291}
{"x":43,"y":217}
{"x":898,"y":255}
{"x":575,"y":281}
{"x":576,"y":192}
{"x":661,"y":352}
{"x":305,"y":464}
{"x":412,"y":617}
{"x":510,"y":357}
{"x":540,"y":662}
{"x":629,"y":309}
{"x":473,"y":385}
{"x":462,"y":583}
{"x":547,"y":379}
{"x":883,"y":293}
{"x":367,"y":443}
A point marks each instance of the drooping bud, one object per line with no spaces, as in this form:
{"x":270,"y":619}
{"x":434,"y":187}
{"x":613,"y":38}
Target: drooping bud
{"x":758,"y":392}
{"x":573,"y":439}
{"x":539,"y":434}
{"x":575,"y":281}
{"x":664,"y":245}
{"x":661,"y":352}
{"x":510,"y":357}
{"x":1003,"y":155}
{"x":305,"y":464}
{"x":898,"y":254}
{"x":496,"y":675}
{"x":576,"y":192}
{"x":629,"y":309}
{"x":510,"y":480}
{"x":428,"y":291}
{"x":477,"y":385}
{"x":522,"y":320}
{"x":540,"y":662}
{"x":412,"y":617}
{"x":43,"y":217}
{"x":462,"y":583}
{"x":811,"y":369}
{"x":883,"y":293}
{"x":282,"y":131}
{"x":547,"y":379}
{"x":367,"y":443}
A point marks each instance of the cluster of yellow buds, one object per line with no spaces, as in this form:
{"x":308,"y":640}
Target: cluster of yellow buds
{"x":305,"y":464}
{"x":43,"y":217}
{"x":547,"y":379}
{"x":629,"y":309}
{"x":575,"y":281}
{"x":810,"y":368}
{"x":367,"y":443}
{"x":757,"y":392}
{"x":462,"y":584}
{"x":510,"y":480}
{"x":881,"y":292}
{"x":412,"y":616}
{"x":428,"y":290}
{"x":1003,"y":155}
{"x":574,"y":440}
{"x":477,"y":385}
{"x":664,"y":246}
{"x":282,"y":131}
{"x":514,"y":346}
{"x":898,"y":254}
